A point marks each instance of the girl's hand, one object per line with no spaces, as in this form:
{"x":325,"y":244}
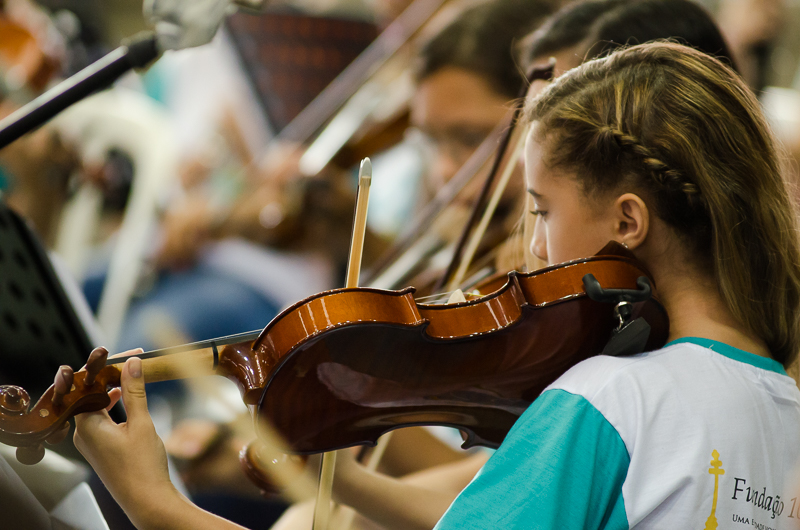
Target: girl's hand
{"x":129,"y":457}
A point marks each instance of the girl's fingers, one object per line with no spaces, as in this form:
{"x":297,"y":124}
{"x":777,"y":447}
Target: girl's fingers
{"x":87,"y":425}
{"x":135,"y":351}
{"x":114,"y":396}
{"x":133,"y":393}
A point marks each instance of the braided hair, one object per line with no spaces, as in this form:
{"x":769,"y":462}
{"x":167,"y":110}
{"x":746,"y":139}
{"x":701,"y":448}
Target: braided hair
{"x":668,"y":185}
{"x":680,"y":129}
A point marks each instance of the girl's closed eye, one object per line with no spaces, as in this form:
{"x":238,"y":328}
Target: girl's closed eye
{"x":543,"y":213}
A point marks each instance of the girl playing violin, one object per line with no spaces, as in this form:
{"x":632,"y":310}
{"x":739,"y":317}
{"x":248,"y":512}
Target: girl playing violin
{"x":664,"y":150}
{"x":579,"y":31}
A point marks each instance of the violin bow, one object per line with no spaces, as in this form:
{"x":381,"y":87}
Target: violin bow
{"x":443,"y":198}
{"x":488,"y":214}
{"x":323,"y":507}
{"x":353,"y":273}
{"x":536,"y":73}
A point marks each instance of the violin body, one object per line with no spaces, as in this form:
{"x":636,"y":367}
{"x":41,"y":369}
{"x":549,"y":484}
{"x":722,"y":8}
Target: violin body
{"x":343,"y":367}
{"x":349,"y":365}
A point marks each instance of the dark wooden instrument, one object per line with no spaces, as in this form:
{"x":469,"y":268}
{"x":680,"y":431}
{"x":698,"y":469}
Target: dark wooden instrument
{"x":20,"y":52}
{"x":343,"y":367}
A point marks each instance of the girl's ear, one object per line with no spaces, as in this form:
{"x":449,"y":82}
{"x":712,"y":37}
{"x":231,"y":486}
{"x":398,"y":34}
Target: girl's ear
{"x":632,"y":220}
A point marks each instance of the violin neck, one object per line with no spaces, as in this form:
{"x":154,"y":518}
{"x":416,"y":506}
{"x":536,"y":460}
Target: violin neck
{"x":189,"y":360}
{"x":181,"y":365}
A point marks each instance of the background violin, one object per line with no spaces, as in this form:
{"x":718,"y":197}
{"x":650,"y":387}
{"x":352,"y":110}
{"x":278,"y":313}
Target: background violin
{"x":25,"y":65}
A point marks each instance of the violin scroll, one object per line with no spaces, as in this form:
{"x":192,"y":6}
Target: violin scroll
{"x":14,"y":401}
{"x":28,"y":428}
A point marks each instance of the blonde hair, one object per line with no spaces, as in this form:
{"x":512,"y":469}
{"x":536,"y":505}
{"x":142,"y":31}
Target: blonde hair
{"x":682,"y":130}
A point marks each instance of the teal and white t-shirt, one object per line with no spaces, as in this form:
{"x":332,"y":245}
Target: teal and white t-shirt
{"x":680,"y":438}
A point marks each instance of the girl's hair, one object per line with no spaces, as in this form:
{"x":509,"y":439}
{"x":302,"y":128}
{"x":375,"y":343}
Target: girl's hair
{"x":601,"y":26}
{"x":683,"y":131}
{"x":481,"y":40}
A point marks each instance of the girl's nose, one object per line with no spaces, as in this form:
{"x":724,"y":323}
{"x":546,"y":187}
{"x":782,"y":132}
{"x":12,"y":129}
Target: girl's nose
{"x":539,"y":241}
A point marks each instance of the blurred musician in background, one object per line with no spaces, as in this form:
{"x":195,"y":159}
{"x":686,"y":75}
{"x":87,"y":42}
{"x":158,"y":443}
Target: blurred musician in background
{"x":466,"y":77}
{"x":314,"y":213}
{"x":34,"y":171}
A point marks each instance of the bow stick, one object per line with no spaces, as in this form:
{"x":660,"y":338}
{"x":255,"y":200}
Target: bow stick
{"x":537,"y":73}
{"x":322,"y":510}
{"x":398,"y":255}
{"x":475,"y":241}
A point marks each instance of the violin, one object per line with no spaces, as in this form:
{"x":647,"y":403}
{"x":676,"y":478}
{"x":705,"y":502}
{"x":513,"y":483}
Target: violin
{"x":345,"y":366}
{"x":23,"y":60}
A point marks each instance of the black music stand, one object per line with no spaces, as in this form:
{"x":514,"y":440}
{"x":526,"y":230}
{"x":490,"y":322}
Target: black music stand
{"x":39,"y":329}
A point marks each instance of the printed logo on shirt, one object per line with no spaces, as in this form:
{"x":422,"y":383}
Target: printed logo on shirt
{"x":716,"y":470}
{"x":759,"y":498}
{"x":746,"y":493}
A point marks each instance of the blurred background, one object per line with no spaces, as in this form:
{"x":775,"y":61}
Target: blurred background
{"x":202,"y":195}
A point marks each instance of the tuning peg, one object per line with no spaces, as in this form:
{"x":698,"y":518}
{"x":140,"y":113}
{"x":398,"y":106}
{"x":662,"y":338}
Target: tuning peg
{"x":95,"y":363}
{"x":59,"y":435}
{"x":62,"y":384}
{"x":14,"y":400}
{"x":31,"y":454}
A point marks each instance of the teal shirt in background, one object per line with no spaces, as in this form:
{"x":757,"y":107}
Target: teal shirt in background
{"x":561,"y":466}
{"x":5,"y":180}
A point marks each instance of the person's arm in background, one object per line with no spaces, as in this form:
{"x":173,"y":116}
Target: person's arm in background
{"x":414,"y":502}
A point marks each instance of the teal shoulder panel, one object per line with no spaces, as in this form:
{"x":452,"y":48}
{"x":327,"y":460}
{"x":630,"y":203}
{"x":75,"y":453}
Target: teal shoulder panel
{"x":561,"y":466}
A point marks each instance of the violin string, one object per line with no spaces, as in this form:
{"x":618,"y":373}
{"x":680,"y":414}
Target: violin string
{"x":443,"y":297}
{"x":437,"y":296}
